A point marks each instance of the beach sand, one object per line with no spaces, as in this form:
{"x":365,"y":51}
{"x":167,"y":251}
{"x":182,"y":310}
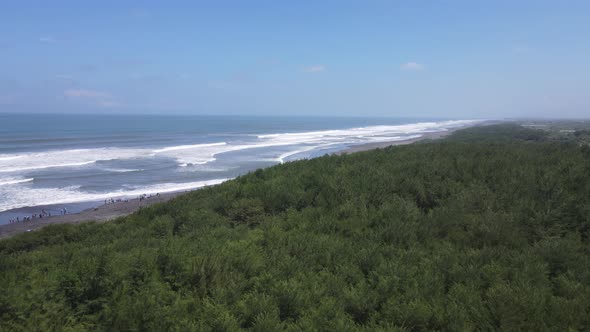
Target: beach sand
{"x":112,"y":211}
{"x":100,"y":214}
{"x":380,"y":145}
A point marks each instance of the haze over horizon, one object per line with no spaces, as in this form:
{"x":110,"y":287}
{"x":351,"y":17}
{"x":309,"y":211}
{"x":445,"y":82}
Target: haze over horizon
{"x":458,"y":59}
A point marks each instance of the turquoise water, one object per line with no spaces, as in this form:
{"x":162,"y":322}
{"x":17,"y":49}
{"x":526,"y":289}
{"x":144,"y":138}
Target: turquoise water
{"x":75,"y":160}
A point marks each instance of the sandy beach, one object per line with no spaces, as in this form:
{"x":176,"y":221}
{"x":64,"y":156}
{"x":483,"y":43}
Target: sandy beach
{"x":100,"y":214}
{"x":112,"y":211}
{"x":379,"y":145}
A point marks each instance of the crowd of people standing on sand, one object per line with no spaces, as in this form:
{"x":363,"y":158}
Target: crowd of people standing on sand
{"x":141,"y":197}
{"x":34,"y":216}
{"x":114,"y":200}
{"x":145,"y":196}
{"x":64,"y":211}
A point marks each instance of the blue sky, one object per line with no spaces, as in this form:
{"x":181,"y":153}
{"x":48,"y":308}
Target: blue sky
{"x":458,"y":59}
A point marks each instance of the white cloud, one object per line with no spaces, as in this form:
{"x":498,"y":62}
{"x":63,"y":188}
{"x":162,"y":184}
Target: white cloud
{"x":64,"y":77}
{"x":314,"y":68}
{"x":100,"y":98}
{"x":47,"y":39}
{"x":83,"y":93}
{"x":412,"y":66}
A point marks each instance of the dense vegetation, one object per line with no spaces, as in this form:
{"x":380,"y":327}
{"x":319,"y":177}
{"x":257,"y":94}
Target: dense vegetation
{"x":486,"y":230}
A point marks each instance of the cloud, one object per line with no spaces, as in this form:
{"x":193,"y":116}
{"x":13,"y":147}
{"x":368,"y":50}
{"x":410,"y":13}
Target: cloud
{"x":88,"y":68}
{"x":47,"y":39}
{"x":314,"y":69}
{"x":412,"y":66}
{"x":83,"y":93}
{"x":64,"y":77}
{"x":100,"y":98}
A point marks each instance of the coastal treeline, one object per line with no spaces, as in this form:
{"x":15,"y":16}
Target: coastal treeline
{"x":488,"y":229}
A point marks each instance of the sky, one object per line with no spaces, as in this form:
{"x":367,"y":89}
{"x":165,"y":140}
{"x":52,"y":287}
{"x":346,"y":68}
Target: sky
{"x":449,"y":59}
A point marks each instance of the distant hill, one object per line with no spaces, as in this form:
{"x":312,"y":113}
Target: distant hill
{"x":488,"y":229}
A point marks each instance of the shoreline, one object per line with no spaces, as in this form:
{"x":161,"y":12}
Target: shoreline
{"x":100,"y":213}
{"x":115,"y":210}
{"x":380,"y":145}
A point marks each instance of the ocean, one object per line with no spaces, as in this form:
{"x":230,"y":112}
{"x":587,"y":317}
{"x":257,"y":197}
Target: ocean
{"x":53,"y":161}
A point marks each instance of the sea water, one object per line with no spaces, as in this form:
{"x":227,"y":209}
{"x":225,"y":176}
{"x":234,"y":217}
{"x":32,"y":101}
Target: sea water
{"x":77,"y":161}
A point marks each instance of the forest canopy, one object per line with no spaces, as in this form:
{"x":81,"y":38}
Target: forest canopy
{"x":487,"y":229}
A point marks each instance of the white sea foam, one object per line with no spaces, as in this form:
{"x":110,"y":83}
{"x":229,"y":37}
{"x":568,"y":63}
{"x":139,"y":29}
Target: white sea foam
{"x":286,"y":155}
{"x":63,"y":158}
{"x":30,"y":168}
{"x":5,"y":182}
{"x":186,"y":147}
{"x":49,"y":196}
{"x":123,"y":170}
{"x":194,"y":154}
{"x":3,"y":158}
{"x":372,"y":130}
{"x":199,"y":154}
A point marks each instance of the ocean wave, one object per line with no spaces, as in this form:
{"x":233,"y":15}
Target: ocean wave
{"x":199,"y":154}
{"x":123,"y":170}
{"x":282,"y":157}
{"x":19,"y":198}
{"x":5,"y":182}
{"x":3,"y":158}
{"x":186,"y":147}
{"x":63,"y":158}
{"x":30,"y":168}
{"x":369,"y":131}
